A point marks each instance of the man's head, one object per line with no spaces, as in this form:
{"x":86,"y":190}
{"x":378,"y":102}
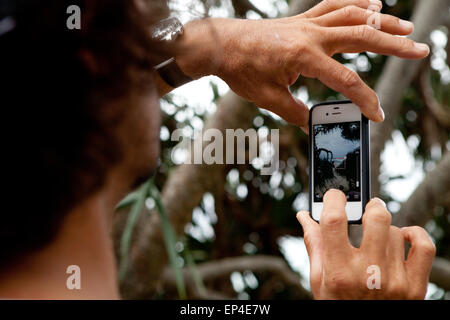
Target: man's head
{"x":79,"y":104}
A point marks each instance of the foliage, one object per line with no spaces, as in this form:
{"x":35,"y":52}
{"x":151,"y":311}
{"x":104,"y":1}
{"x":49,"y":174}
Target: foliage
{"x":249,"y":213}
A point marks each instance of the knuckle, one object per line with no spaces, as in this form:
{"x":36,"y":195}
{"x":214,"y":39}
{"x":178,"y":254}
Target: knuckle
{"x":332,"y":217}
{"x":406,"y":43}
{"x":378,"y":215}
{"x":424,"y":244}
{"x":346,"y":12}
{"x":427,"y":248}
{"x":266,"y":97}
{"x":370,"y":5}
{"x":330,"y":3}
{"x":350,"y":79}
{"x":362,"y":32}
{"x":350,"y":11}
{"x":296,"y":49}
{"x":417,"y":230}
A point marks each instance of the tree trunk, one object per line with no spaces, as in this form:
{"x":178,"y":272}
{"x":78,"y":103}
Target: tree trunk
{"x":431,"y":192}
{"x":397,"y":75}
{"x":186,"y":184}
{"x":183,"y":192}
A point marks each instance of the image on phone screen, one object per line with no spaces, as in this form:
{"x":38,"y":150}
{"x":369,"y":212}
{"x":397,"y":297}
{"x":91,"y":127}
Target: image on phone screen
{"x":337,"y":159}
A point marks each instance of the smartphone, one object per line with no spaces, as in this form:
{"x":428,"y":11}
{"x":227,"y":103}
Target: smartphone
{"x":339,"y":157}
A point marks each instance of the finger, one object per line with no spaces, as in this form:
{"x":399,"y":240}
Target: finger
{"x":396,"y":286}
{"x":420,"y":257}
{"x":396,"y":250}
{"x":327,"y":6}
{"x":333,"y":225}
{"x":353,"y":16}
{"x":340,"y":78}
{"x":365,"y":38}
{"x":376,"y":228}
{"x":280,"y":101}
{"x":313,"y":243}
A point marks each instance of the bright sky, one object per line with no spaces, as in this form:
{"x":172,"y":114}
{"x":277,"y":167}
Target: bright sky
{"x":334,"y":142}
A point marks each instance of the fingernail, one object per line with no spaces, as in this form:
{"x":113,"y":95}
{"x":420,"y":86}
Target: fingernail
{"x":379,"y":201}
{"x":406,"y":24}
{"x":377,"y":3}
{"x":422,"y":47}
{"x":380,"y":114}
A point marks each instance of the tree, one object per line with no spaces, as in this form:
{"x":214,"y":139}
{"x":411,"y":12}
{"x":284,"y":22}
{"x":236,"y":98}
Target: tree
{"x":258,"y":221}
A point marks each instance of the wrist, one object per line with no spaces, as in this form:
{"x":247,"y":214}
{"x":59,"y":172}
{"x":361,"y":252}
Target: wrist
{"x":199,"y":50}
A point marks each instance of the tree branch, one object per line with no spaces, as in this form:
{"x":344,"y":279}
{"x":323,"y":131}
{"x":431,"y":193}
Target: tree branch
{"x":186,"y":185}
{"x":397,"y":76}
{"x":437,"y":110}
{"x":182,"y":193}
{"x":257,"y":264}
{"x":299,"y":6}
{"x":241,"y":7}
{"x":418,"y":209}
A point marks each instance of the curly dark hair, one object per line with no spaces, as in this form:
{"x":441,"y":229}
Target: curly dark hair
{"x":59,"y":143}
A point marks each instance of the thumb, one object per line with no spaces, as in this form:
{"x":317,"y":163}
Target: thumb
{"x":313,"y":242}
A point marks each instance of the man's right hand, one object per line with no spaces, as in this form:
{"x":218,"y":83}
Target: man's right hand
{"x":260,"y":59}
{"x":341,"y":271}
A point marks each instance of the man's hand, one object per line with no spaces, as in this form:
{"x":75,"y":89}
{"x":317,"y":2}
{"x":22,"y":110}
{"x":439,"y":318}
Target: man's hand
{"x":260,"y":59}
{"x":340,"y":271}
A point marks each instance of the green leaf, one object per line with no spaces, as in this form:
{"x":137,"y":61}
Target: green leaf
{"x":170,"y":240}
{"x":198,"y":281}
{"x":137,"y":198}
{"x":128,"y":200}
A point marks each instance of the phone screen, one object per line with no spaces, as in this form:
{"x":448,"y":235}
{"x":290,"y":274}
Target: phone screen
{"x":337,"y":160}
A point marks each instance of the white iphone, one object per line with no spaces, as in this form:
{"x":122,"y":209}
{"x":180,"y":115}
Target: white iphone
{"x":339,"y":157}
